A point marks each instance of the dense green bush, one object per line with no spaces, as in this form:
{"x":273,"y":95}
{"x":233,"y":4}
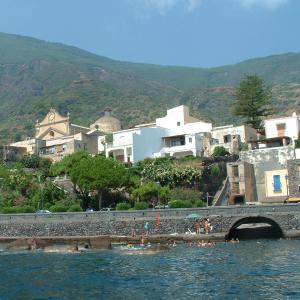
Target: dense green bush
{"x":200,"y":203}
{"x":9,"y":210}
{"x":215,"y":170}
{"x":25,"y":209}
{"x":220,"y":151}
{"x":30,"y":161}
{"x":141,"y":205}
{"x":58,"y":208}
{"x":169,"y":174}
{"x":180,"y":204}
{"x":75,"y":208}
{"x":123,"y":206}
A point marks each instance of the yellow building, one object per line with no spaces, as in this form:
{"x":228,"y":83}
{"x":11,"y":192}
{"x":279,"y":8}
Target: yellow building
{"x":276,"y":182}
{"x":56,"y":126}
{"x":56,"y":136}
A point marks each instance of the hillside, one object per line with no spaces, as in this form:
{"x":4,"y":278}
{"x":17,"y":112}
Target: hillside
{"x":35,"y":75}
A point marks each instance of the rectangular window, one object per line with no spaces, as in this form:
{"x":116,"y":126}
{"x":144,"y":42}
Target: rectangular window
{"x":235,"y":188}
{"x":280,"y":129}
{"x":227,"y":138}
{"x":298,"y":172}
{"x":174,"y":143}
{"x":180,"y":141}
{"x":235,"y":171}
{"x":190,"y":140}
{"x":277,"y":183}
{"x":178,"y":123}
{"x":280,"y":126}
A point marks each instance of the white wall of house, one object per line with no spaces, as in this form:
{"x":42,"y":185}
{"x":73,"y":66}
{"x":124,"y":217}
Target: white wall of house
{"x":285,"y":126}
{"x":101,"y":143}
{"x":179,"y":117}
{"x":124,"y":137}
{"x":147,"y":142}
{"x":191,"y":128}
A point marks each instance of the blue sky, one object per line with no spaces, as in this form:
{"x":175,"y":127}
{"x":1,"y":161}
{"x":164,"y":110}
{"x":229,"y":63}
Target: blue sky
{"x":201,"y":33}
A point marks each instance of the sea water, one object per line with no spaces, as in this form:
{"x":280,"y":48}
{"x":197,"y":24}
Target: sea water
{"x":258,"y":269}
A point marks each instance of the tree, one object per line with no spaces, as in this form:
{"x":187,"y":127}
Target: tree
{"x":253,"y":100}
{"x":66,"y":165}
{"x":98,"y":174}
{"x":152,"y":190}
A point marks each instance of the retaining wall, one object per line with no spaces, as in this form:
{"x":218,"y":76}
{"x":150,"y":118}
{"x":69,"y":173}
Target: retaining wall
{"x":123,"y":222}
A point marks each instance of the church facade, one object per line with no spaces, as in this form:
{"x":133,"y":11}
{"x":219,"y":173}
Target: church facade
{"x":56,"y":136}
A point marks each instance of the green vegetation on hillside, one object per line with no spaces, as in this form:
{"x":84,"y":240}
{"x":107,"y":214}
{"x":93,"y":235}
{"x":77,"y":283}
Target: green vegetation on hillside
{"x":35,"y":75}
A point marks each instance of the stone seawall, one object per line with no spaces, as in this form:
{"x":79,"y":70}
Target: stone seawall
{"x":123,"y":222}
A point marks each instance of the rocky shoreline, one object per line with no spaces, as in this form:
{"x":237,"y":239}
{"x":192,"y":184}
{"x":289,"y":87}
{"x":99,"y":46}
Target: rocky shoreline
{"x":74,"y":243}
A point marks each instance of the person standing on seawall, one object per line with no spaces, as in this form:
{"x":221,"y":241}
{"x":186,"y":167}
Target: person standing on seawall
{"x":147,"y":228}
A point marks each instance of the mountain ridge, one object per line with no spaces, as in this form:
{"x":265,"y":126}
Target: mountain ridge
{"x":35,"y":75}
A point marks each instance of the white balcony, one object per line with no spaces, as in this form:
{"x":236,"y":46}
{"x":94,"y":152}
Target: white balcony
{"x":178,"y":151}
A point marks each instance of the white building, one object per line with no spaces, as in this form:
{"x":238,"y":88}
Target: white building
{"x":283,"y":127}
{"x":177,"y":134}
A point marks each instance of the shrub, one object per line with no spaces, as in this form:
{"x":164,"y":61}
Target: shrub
{"x":58,"y":208}
{"x":220,"y":151}
{"x":215,"y":170}
{"x":123,"y":206}
{"x":25,"y":209}
{"x":180,"y":204}
{"x":186,"y":194}
{"x":9,"y":210}
{"x":141,"y":205}
{"x":200,"y":203}
{"x":75,"y":208}
{"x":30,"y":161}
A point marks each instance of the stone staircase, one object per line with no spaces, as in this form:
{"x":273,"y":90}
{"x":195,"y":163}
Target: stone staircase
{"x":64,"y":183}
{"x":221,"y":197}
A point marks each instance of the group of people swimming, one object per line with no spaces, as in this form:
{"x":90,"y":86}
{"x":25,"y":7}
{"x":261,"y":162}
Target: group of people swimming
{"x":202,"y":244}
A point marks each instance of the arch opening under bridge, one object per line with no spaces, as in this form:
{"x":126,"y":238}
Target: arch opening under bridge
{"x":255,"y":227}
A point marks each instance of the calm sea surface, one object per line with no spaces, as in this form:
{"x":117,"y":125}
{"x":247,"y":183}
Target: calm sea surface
{"x":248,"y":270}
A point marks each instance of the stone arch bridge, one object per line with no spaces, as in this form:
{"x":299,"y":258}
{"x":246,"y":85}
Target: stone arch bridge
{"x":230,"y":222}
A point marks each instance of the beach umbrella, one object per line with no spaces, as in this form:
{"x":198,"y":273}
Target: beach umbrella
{"x":192,"y":216}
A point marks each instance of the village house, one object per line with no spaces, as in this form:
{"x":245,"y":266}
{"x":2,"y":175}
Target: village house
{"x":274,"y":164}
{"x":233,"y":138}
{"x":177,"y":134}
{"x":283,"y":127}
{"x":56,"y":136}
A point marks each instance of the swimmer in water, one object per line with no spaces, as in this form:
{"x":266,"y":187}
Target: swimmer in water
{"x":142,"y":241}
